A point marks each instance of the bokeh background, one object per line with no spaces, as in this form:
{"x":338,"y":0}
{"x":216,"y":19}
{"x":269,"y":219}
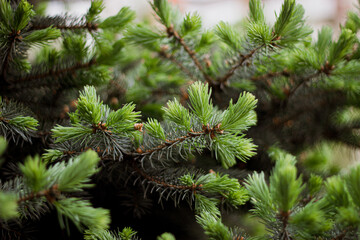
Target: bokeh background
{"x":318,"y":12}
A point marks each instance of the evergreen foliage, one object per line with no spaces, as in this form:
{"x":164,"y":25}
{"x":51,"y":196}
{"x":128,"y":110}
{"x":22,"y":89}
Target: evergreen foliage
{"x":299,"y":213}
{"x":112,"y":119}
{"x":42,"y":186}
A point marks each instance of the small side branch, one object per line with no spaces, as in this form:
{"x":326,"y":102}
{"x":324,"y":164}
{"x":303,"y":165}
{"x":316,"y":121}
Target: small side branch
{"x":86,"y":26}
{"x":305,"y":80}
{"x":2,"y":119}
{"x":171,"y":58}
{"x":270,"y":75}
{"x":326,"y":69}
{"x":284,"y":217}
{"x":169,"y":143}
{"x":206,"y":130}
{"x":193,"y":188}
{"x":172,"y":33}
{"x":51,"y":195}
{"x":99,"y":151}
{"x":243,"y":59}
{"x":14,"y":36}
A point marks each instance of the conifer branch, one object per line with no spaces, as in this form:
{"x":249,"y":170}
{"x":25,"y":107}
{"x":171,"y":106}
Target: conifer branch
{"x":172,"y":33}
{"x":56,"y":73}
{"x":51,"y":195}
{"x":302,"y":82}
{"x":193,"y":188}
{"x":270,"y":75}
{"x":169,"y":143}
{"x":14,"y":36}
{"x":243,"y":59}
{"x":71,"y":152}
{"x":171,"y":58}
{"x":326,"y":69}
{"x":206,"y":130}
{"x":284,"y":217}
{"x":86,"y":26}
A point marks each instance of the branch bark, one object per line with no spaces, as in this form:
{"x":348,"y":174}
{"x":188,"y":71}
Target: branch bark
{"x":86,"y":26}
{"x":51,"y":195}
{"x":193,"y":188}
{"x":172,"y":33}
{"x":243,"y":59}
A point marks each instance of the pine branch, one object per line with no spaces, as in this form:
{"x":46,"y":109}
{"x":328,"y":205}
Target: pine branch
{"x":30,"y":210}
{"x":13,"y":38}
{"x":270,"y":75}
{"x":15,"y":121}
{"x":206,"y":130}
{"x":193,"y":188}
{"x":171,"y":57}
{"x":85,"y":26}
{"x":51,"y":195}
{"x":172,"y":33}
{"x":326,"y":69}
{"x":303,"y":81}
{"x":284,"y":217}
{"x":68,"y":153}
{"x":57,"y":73}
{"x":243,"y":59}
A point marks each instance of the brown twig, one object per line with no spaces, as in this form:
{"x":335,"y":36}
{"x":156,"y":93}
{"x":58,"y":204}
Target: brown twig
{"x":14,"y":36}
{"x":243,"y":59}
{"x":169,"y":143}
{"x":206,"y":130}
{"x":4,"y":119}
{"x":193,"y":188}
{"x":51,"y":195}
{"x":101,"y":126}
{"x":172,"y":33}
{"x":43,"y":133}
{"x":284,"y":217}
{"x":89,"y":26}
{"x":271,"y":75}
{"x":326,"y":69}
{"x":305,"y":80}
{"x":171,"y":57}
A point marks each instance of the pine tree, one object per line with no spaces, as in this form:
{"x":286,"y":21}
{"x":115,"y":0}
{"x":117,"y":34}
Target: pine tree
{"x":180,"y":116}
